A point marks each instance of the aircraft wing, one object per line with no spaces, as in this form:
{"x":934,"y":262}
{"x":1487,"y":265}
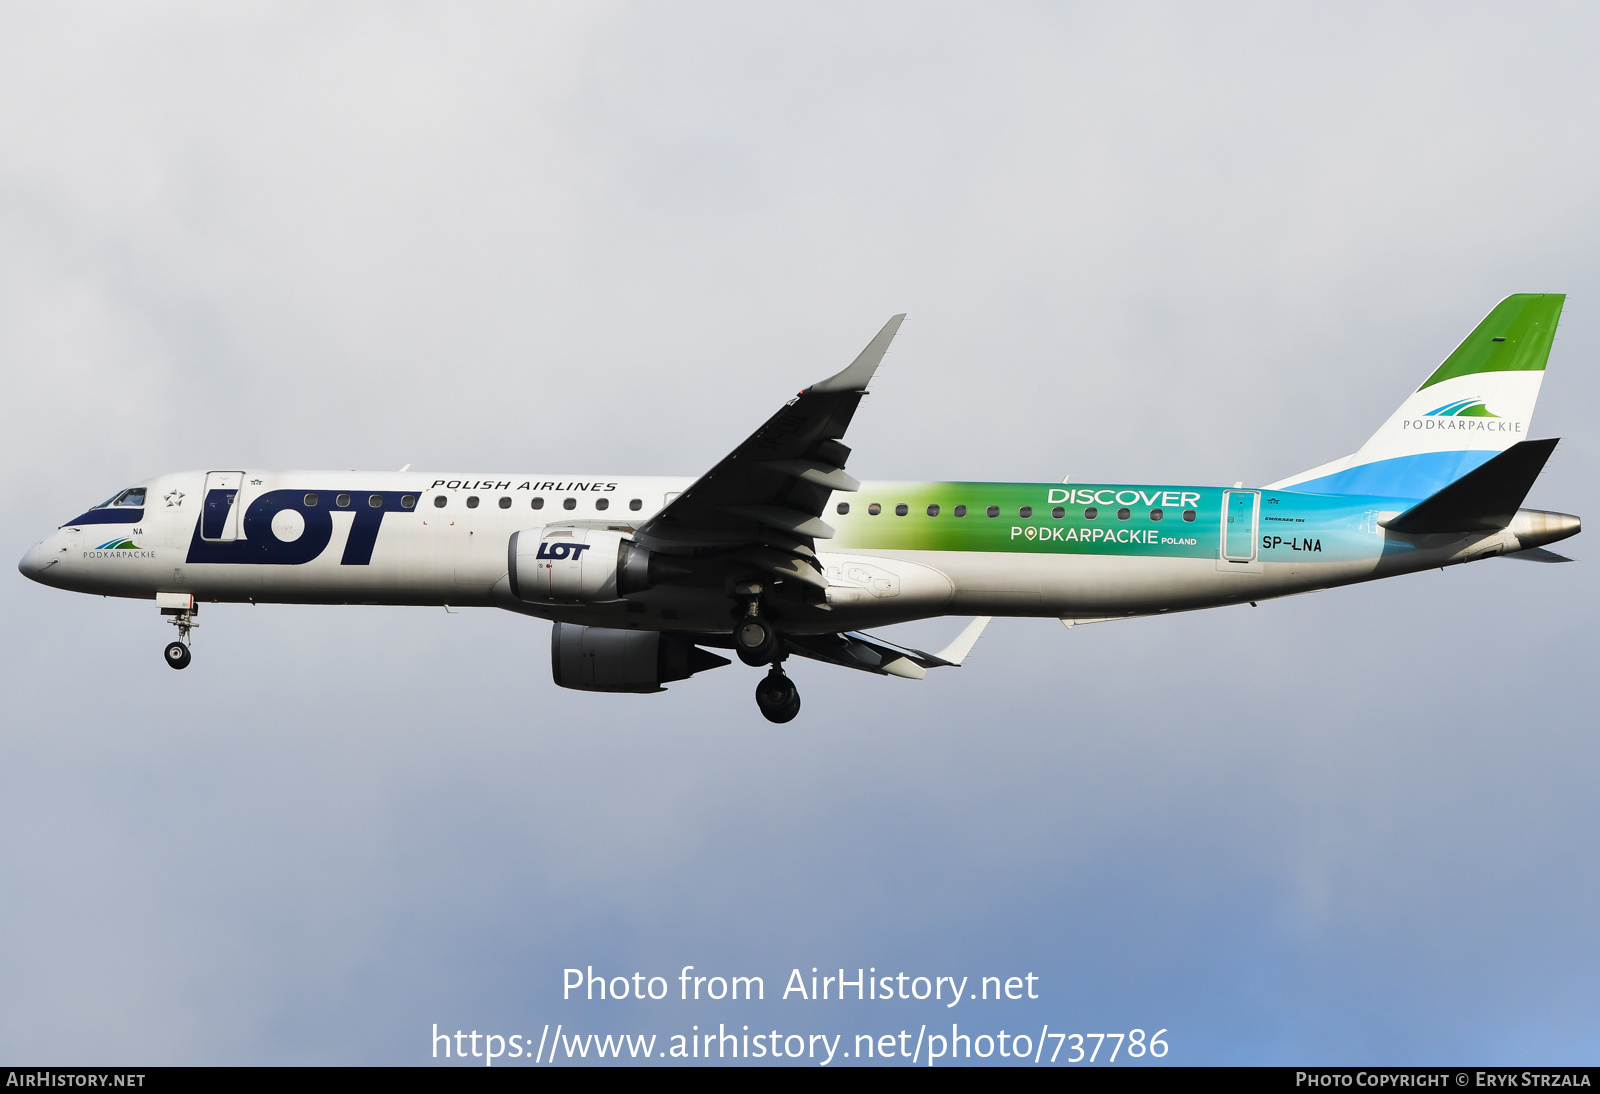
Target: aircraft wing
{"x":763,"y":502}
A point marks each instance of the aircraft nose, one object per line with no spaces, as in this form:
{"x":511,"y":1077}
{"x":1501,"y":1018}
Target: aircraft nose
{"x":33,"y":563}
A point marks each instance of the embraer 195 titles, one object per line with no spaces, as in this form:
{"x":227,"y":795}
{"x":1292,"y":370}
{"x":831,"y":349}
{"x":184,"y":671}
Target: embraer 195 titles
{"x":778,"y":551}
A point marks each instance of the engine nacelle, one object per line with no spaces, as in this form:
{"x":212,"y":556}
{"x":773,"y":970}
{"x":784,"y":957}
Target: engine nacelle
{"x":575,"y":564}
{"x":610,"y":659}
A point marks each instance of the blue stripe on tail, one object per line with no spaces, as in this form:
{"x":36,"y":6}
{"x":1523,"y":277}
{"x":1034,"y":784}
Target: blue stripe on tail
{"x":1417,"y":476}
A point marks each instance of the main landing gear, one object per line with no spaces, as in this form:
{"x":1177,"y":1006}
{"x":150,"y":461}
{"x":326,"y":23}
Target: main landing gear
{"x":777,"y":697}
{"x":756,"y":641}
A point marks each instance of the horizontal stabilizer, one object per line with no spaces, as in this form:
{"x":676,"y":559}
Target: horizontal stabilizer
{"x":1482,"y":500}
{"x":1537,"y":554}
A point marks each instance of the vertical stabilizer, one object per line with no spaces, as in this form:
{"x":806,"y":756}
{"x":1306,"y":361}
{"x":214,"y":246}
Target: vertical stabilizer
{"x":1479,"y":402}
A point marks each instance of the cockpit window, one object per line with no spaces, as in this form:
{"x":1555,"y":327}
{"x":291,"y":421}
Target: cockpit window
{"x":134,"y":497}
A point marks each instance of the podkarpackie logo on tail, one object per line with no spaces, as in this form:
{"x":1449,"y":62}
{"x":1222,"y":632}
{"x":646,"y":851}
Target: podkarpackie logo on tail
{"x":119,"y":548}
{"x":1463,"y":408}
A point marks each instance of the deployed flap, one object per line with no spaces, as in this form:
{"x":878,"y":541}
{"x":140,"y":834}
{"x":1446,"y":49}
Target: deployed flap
{"x":1484,"y":500}
{"x":773,"y":488}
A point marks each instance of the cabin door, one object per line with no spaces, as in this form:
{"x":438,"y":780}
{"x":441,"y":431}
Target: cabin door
{"x":219,"y":519}
{"x":1239,"y":528}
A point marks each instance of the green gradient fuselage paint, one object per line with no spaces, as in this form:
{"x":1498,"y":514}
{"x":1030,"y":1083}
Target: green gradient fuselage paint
{"x":1104,"y":519}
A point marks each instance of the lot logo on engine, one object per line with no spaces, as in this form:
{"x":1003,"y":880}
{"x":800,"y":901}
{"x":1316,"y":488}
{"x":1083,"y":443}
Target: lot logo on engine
{"x":562,"y":550}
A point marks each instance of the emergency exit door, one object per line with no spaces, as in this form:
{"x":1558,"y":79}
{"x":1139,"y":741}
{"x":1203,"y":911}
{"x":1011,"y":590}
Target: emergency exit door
{"x":219,"y":511}
{"x":1239,"y":528}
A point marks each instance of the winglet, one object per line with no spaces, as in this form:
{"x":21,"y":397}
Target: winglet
{"x":855,"y":377}
{"x":956,"y":652}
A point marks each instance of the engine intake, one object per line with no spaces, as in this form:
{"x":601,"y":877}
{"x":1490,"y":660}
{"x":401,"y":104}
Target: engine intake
{"x":577,"y":564}
{"x":610,"y":659}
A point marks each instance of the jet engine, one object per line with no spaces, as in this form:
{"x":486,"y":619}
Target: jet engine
{"x":610,"y":659}
{"x":576,"y":564}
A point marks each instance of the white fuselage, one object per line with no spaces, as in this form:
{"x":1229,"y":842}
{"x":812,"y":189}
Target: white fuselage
{"x":425,"y":539}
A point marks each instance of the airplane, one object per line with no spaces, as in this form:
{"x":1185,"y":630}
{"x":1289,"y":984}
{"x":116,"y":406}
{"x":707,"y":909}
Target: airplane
{"x":778,"y":551}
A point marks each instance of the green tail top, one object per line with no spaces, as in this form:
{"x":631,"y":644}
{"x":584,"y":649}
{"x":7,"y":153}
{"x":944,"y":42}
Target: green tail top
{"x":1515,"y":337}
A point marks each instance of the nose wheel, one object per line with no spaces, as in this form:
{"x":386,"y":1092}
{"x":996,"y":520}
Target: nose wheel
{"x":178,"y":655}
{"x":777,"y":697}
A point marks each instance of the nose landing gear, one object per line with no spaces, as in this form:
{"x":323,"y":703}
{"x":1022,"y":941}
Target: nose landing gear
{"x":182,"y":610}
{"x":777,"y":697}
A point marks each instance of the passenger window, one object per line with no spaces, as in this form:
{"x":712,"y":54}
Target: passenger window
{"x":1156,"y":514}
{"x":375,"y":501}
{"x":1090,"y":513}
{"x":602,"y":504}
{"x":472,"y":501}
{"x":901,"y":510}
{"x":505,"y":503}
{"x":933,"y":510}
{"x":844,"y":507}
{"x":538,"y":503}
{"x":1123,"y":514}
{"x":440,"y":501}
{"x":408,"y":501}
{"x":994,"y":510}
{"x":1058,"y":512}
{"x":1188,"y":514}
{"x":311,"y":500}
{"x":874,"y":509}
{"x":1025,"y":512}
{"x":960,"y":510}
{"x":636,"y":504}
{"x":342,"y":500}
{"x":569,"y":503}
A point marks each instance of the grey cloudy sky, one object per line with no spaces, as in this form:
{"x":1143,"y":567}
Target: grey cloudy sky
{"x":1137,"y":242}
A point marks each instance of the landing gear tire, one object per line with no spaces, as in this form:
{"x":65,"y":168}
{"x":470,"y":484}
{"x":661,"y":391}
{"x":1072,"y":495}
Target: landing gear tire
{"x":755,"y":640}
{"x":178,"y":655}
{"x":777,"y":697}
